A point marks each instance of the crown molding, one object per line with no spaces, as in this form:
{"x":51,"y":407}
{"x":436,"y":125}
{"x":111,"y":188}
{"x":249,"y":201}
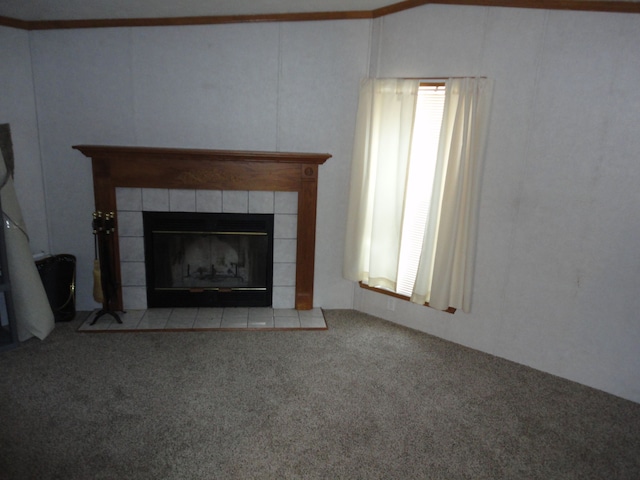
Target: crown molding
{"x":206,"y":20}
{"x":14,"y":23}
{"x":615,"y":6}
{"x":575,"y":5}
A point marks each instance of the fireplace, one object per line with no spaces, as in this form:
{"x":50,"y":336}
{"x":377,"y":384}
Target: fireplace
{"x":208,"y":259}
{"x":116,"y":167}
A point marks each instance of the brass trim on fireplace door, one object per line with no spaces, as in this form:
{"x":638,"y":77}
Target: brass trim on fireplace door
{"x":190,"y":232}
{"x":213,"y":289}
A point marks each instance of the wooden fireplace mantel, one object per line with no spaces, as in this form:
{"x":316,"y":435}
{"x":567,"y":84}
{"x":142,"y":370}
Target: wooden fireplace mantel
{"x":179,"y":168}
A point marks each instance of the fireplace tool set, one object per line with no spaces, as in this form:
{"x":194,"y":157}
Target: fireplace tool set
{"x":104,"y":279}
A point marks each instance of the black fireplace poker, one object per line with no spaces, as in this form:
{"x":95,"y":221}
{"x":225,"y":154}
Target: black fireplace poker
{"x":103,"y":231}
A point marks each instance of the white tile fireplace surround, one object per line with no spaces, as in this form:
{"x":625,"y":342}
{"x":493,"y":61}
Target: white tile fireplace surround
{"x":131,"y":202}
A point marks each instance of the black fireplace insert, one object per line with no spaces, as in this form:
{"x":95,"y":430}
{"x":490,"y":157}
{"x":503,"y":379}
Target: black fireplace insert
{"x":208,"y":259}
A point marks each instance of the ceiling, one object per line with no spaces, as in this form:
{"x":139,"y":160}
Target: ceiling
{"x":49,"y":10}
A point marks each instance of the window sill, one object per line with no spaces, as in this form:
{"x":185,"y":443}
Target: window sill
{"x":451,"y":310}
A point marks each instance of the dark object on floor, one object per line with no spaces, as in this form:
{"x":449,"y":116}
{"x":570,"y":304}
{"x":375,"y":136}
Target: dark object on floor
{"x":6,"y":146}
{"x":58,"y":274}
{"x":104,"y":227}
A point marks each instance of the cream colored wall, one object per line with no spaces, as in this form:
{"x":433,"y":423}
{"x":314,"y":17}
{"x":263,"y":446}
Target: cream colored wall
{"x":558,"y":267}
{"x":272,"y":86}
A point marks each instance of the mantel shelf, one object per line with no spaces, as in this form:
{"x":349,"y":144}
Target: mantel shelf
{"x":94,"y":151}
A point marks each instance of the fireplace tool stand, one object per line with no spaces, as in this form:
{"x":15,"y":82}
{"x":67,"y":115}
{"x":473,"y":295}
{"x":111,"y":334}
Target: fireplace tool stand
{"x":103,"y":232}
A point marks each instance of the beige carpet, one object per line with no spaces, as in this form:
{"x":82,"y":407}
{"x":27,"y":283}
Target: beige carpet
{"x":364,"y":399}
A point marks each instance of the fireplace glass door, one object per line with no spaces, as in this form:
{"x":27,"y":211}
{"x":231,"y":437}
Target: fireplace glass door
{"x":208,"y":259}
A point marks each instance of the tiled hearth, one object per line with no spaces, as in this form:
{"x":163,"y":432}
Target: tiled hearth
{"x":132,"y":201}
{"x":187,"y":319}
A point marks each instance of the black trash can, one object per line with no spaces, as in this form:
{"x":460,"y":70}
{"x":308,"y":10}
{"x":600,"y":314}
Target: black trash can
{"x":58,"y":274}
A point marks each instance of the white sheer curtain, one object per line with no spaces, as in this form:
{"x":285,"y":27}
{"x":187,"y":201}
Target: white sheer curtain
{"x":379,"y":170}
{"x":445,"y":272}
{"x":379,"y":173}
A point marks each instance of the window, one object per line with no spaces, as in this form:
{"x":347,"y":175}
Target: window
{"x":422,"y":166}
{"x":415,"y":186}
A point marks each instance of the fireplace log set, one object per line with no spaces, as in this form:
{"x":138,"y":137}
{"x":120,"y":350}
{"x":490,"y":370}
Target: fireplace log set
{"x":196,"y":259}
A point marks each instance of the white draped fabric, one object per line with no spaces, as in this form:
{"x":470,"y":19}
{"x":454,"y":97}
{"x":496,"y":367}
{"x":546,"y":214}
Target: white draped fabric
{"x":445,"y":272}
{"x":34,"y":316}
{"x":446,"y":267}
{"x":378,"y":178}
